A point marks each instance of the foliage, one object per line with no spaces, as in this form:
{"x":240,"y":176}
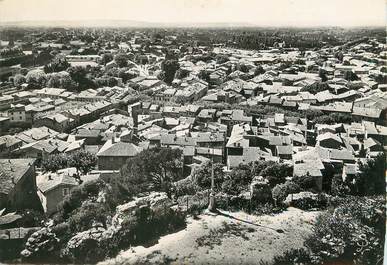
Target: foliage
{"x":202,"y":176}
{"x":82,"y":77}
{"x":350,"y":76}
{"x":181,"y":73}
{"x":106,"y":58}
{"x":353,"y":232}
{"x":238,"y":180}
{"x":153,"y":169}
{"x":82,"y":160}
{"x":19,"y":79}
{"x":83,"y":192}
{"x":57,"y":65}
{"x":338,"y":187}
{"x":277,"y":173}
{"x":323,"y":75}
{"x":221,"y":58}
{"x":281,"y":191}
{"x":121,"y":59}
{"x":36,"y":78}
{"x":259,"y":70}
{"x":293,"y":256}
{"x":195,"y":203}
{"x":371,"y":178}
{"x":60,"y":80}
{"x":315,"y":87}
{"x":204,"y":75}
{"x":333,"y":118}
{"x":10,"y":52}
{"x":83,"y":217}
{"x":306,"y":182}
{"x":185,"y":187}
{"x":169,"y":68}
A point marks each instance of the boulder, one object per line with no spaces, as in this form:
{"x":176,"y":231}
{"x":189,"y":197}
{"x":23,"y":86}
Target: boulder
{"x":307,"y":200}
{"x":40,"y":243}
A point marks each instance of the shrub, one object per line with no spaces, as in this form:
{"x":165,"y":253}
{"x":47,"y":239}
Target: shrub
{"x":186,"y":187}
{"x":237,"y":181}
{"x":306,"y":182}
{"x":293,"y":256}
{"x":353,"y":232}
{"x":281,"y":191}
{"x":202,"y":176}
{"x":83,"y":218}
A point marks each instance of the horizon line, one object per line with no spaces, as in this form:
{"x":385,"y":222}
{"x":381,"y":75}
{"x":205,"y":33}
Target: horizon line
{"x":184,"y":24}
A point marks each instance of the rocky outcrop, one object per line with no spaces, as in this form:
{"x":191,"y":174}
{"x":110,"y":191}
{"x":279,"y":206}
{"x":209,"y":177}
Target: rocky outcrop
{"x":307,"y":200}
{"x":39,"y":244}
{"x":155,"y":201}
{"x":94,"y":244}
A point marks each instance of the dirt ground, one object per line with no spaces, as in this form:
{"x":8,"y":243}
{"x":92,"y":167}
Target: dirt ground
{"x":226,"y":238}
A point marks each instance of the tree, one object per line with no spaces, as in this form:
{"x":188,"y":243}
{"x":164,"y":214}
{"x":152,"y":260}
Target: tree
{"x":259,"y":70}
{"x":82,"y":160}
{"x":60,"y":80}
{"x":202,"y":176}
{"x":204,"y":75}
{"x":323,"y":75}
{"x":153,"y":169}
{"x":43,"y":58}
{"x":57,"y":65}
{"x":81,"y":76}
{"x":18,"y":80}
{"x":36,"y":78}
{"x":169,"y":67}
{"x":316,"y":87}
{"x":371,"y":178}
{"x":53,"y":81}
{"x":121,"y":59}
{"x":106,"y":58}
{"x":350,"y":76}
{"x":277,"y":173}
{"x":181,"y":73}
{"x":221,"y":58}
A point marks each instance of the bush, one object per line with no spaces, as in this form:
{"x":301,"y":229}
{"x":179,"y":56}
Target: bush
{"x":293,"y":256}
{"x":281,"y":191}
{"x":277,"y":173}
{"x":237,"y":181}
{"x":88,"y":190}
{"x":306,"y":183}
{"x":202,"y":176}
{"x":84,"y":217}
{"x":353,"y":232}
{"x":186,"y":187}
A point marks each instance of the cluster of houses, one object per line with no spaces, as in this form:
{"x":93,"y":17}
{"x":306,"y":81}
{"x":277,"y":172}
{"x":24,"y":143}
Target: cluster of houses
{"x":209,"y":118}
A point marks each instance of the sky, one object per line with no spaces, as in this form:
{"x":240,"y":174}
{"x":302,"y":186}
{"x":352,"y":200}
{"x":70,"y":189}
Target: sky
{"x":346,"y":13}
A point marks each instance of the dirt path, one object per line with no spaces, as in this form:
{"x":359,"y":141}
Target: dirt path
{"x":230,"y":238}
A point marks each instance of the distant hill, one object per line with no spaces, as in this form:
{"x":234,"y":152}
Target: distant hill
{"x":115,"y":23}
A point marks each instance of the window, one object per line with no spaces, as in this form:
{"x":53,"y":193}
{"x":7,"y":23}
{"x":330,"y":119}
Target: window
{"x":65,"y":191}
